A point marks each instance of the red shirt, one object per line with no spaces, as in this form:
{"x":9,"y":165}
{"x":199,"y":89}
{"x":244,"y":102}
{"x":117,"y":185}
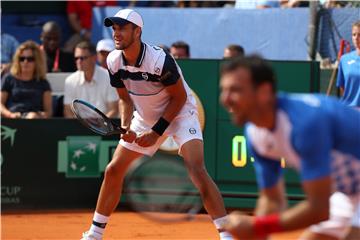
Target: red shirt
{"x":83,"y":9}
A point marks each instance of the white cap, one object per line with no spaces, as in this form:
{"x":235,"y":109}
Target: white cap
{"x":124,"y":16}
{"x":105,"y":45}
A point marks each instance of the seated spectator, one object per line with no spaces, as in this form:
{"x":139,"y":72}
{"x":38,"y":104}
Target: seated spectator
{"x":180,"y":49}
{"x":233,"y":50}
{"x":57,"y":60}
{"x":90,"y":83}
{"x":80,"y":19}
{"x":103,"y":48}
{"x":25,"y":92}
{"x":8,"y":48}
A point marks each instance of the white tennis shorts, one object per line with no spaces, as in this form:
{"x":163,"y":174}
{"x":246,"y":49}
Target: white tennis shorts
{"x":344,"y":212}
{"x":182,"y":129}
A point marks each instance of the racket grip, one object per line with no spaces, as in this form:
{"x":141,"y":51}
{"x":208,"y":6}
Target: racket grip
{"x":129,"y":136}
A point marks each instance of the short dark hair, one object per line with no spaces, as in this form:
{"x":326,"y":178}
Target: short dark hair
{"x":87,"y":45}
{"x":236,"y":48}
{"x":182,"y":44}
{"x":261,"y":72}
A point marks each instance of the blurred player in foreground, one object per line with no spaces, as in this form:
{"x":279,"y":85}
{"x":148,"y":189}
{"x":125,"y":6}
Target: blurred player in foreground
{"x":318,"y":136}
{"x":148,"y":78}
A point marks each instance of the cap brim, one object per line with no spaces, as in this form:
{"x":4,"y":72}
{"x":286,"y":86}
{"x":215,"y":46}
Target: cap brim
{"x":109,"y":21}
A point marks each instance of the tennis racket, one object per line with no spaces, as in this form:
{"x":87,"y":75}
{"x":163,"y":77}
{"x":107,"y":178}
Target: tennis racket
{"x":159,"y":189}
{"x":94,"y":119}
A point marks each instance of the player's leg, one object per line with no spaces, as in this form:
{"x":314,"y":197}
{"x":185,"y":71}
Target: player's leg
{"x":309,"y":235}
{"x":354,"y":231}
{"x":115,"y":172}
{"x":111,"y":188}
{"x":336,"y":227}
{"x":193,"y":154}
{"x":110,"y":191}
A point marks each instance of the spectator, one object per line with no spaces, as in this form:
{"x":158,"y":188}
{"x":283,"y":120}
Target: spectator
{"x":90,"y":83}
{"x":80,"y":19}
{"x":234,"y":50}
{"x":8,"y":48}
{"x":294,"y":3}
{"x":103,"y":48}
{"x":166,"y":48}
{"x":57,"y":60}
{"x":26,"y":93}
{"x":180,"y":49}
{"x":348,"y":78}
{"x":268,"y":4}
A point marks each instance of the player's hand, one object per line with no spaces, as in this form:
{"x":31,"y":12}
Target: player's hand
{"x":129,"y":136}
{"x":240,"y":226}
{"x":147,"y":139}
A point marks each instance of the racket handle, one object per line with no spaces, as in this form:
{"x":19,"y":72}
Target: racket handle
{"x":129,"y":136}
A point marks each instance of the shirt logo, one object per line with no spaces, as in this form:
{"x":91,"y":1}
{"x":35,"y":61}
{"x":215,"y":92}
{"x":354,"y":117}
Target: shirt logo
{"x":351,"y":62}
{"x":145,"y":76}
{"x":192,"y":130}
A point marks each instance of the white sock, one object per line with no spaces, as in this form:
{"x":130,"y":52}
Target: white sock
{"x":219,"y":224}
{"x":98,"y":226}
{"x":225,"y":236}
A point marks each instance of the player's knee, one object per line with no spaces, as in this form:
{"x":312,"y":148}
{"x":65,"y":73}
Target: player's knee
{"x":113,"y":171}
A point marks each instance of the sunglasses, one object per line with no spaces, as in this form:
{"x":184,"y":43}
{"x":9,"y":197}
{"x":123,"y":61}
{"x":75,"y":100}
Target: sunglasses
{"x":82,"y":58}
{"x":29,"y":59}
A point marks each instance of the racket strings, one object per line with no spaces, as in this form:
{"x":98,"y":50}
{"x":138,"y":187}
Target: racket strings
{"x":161,"y":189}
{"x":92,"y":118}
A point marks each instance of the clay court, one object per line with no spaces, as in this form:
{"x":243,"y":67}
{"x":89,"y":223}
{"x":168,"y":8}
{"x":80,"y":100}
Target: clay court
{"x":123,"y":225}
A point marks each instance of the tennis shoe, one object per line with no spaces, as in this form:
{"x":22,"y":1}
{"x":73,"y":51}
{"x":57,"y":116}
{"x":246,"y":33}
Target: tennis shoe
{"x":89,"y":236}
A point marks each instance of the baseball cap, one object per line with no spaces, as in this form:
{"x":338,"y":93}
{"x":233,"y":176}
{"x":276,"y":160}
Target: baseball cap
{"x":124,"y":16}
{"x":105,"y":45}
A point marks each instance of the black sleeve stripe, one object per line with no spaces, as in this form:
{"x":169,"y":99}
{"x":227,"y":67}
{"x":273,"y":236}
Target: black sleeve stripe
{"x":115,"y":80}
{"x":170,"y":73}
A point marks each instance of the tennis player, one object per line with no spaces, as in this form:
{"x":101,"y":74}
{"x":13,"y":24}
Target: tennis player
{"x":149,"y":80}
{"x":317,"y":135}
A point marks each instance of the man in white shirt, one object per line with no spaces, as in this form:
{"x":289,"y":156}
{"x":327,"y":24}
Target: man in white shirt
{"x":149,"y":80}
{"x":90,"y":83}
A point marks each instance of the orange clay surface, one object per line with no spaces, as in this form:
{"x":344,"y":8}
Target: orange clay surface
{"x":123,"y":225}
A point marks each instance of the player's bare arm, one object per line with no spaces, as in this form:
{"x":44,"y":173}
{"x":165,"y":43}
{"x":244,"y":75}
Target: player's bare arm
{"x":310,"y":211}
{"x":126,"y":113}
{"x":177,"y":100}
{"x":314,"y":209}
{"x":113,"y":109}
{"x":271,"y":200}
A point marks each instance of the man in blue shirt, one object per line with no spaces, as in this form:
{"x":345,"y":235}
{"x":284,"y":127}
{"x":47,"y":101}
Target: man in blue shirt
{"x":318,"y":136}
{"x":348,"y":79}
